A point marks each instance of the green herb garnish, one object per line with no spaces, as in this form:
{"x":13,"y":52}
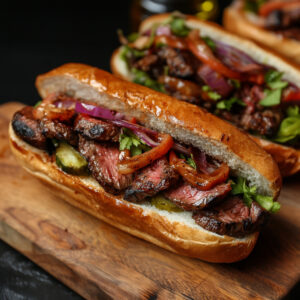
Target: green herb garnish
{"x":289,"y":129}
{"x":133,"y":37}
{"x":276,"y":85}
{"x":250,"y":194}
{"x":178,"y":26}
{"x":189,"y":160}
{"x":143,"y":78}
{"x":128,"y":140}
{"x":210,"y":43}
{"x":211,"y":94}
{"x":227,"y":104}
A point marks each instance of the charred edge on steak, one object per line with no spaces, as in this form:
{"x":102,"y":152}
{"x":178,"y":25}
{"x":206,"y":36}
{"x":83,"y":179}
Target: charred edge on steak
{"x":151,"y":180}
{"x":232,"y":217}
{"x":54,"y":129}
{"x":28,"y":129}
{"x":190,"y":198}
{"x":102,"y":163}
{"x":96,"y":129}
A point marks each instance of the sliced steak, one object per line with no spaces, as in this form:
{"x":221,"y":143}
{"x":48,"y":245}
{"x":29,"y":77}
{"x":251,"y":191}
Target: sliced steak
{"x":232,"y":217}
{"x":151,"y":180}
{"x":180,"y":63}
{"x":28,"y":129}
{"x":102,"y":163}
{"x":190,"y":198}
{"x":264,"y":123}
{"x":54,"y":129}
{"x":96,"y":129}
{"x":146,"y":63}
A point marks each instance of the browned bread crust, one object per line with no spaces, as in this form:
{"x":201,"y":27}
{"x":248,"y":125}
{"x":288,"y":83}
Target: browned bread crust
{"x":184,"y":121}
{"x":176,"y":232}
{"x":87,"y":195}
{"x":288,"y":158}
{"x":236,"y":21}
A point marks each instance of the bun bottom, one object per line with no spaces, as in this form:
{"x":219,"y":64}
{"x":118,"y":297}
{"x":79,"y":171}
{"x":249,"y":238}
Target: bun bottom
{"x":175,"y":232}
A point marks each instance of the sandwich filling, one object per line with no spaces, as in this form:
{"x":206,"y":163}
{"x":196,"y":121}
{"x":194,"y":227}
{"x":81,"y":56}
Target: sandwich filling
{"x":142,"y":165}
{"x":280,"y":16}
{"x":177,"y":60}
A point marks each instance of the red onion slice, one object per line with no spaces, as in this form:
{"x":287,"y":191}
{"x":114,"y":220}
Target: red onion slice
{"x":163,"y":30}
{"x":237,"y":60}
{"x":214,"y":80}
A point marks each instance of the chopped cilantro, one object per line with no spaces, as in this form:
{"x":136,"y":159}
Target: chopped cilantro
{"x":210,"y":43}
{"x":227,"y":104}
{"x":128,"y":140}
{"x":143,"y":78}
{"x":189,"y":160}
{"x":37,"y":104}
{"x":133,"y":37}
{"x":250,"y":194}
{"x":178,"y":26}
{"x":276,"y":85}
{"x":211,"y":94}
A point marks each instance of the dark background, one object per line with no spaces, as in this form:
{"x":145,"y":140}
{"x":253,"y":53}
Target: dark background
{"x":35,"y":39}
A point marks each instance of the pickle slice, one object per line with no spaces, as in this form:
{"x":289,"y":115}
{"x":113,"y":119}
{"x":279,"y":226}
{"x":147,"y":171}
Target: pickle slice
{"x":70,"y":160}
{"x":162,"y":203}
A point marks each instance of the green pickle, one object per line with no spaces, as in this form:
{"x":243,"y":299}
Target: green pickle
{"x":70,"y":160}
{"x":161,"y":202}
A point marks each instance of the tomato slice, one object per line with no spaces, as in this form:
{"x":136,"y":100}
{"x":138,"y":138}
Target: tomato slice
{"x":171,"y":41}
{"x":132,"y":164}
{"x":201,"y":181}
{"x":292,"y":96}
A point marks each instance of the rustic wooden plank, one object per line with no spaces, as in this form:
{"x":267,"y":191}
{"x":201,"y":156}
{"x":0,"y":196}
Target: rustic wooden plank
{"x":101,"y":262}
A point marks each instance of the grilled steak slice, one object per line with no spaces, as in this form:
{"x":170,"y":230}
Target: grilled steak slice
{"x":102,"y":163}
{"x":190,"y":198}
{"x":146,"y":63}
{"x":28,"y":129}
{"x":151,"y":180}
{"x":53,"y":129}
{"x":180,"y":63}
{"x":96,"y":129}
{"x":232,"y":217}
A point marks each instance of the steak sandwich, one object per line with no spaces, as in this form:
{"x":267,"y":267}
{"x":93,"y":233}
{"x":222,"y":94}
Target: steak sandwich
{"x":233,"y":78}
{"x":272,"y":23}
{"x":161,"y":169}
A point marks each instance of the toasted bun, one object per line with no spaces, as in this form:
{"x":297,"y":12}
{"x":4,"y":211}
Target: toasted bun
{"x":175,"y":232}
{"x":185,"y":122}
{"x":287,"y":157}
{"x":236,"y":20}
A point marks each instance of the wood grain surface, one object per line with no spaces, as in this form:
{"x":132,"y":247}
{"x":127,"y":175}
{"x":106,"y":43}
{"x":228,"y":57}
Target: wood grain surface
{"x":101,"y":262}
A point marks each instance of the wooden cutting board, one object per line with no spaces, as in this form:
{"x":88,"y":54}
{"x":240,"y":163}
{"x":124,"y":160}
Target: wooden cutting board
{"x":101,"y":262}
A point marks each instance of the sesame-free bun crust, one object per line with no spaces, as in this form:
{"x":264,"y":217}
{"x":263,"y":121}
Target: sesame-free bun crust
{"x":287,"y":158}
{"x":185,"y":122}
{"x":236,"y":20}
{"x":167,"y":230}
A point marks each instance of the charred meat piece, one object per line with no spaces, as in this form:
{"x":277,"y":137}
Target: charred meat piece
{"x":190,"y":198}
{"x":152,"y":179}
{"x":96,"y":129}
{"x":146,"y":63}
{"x":28,"y":129}
{"x":102,"y":163}
{"x":232,"y":217}
{"x":53,"y":129}
{"x":290,"y":33}
{"x":265,"y":123}
{"x":180,"y":63}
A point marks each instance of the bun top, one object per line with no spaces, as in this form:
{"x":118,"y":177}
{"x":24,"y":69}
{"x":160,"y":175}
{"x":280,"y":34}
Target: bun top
{"x":185,"y":122}
{"x":258,"y":53}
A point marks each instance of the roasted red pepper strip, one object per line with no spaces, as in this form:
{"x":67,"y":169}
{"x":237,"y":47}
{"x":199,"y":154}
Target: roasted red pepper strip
{"x":270,"y":6}
{"x":132,"y":164}
{"x":171,"y":41}
{"x":201,"y":181}
{"x":292,"y":96}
